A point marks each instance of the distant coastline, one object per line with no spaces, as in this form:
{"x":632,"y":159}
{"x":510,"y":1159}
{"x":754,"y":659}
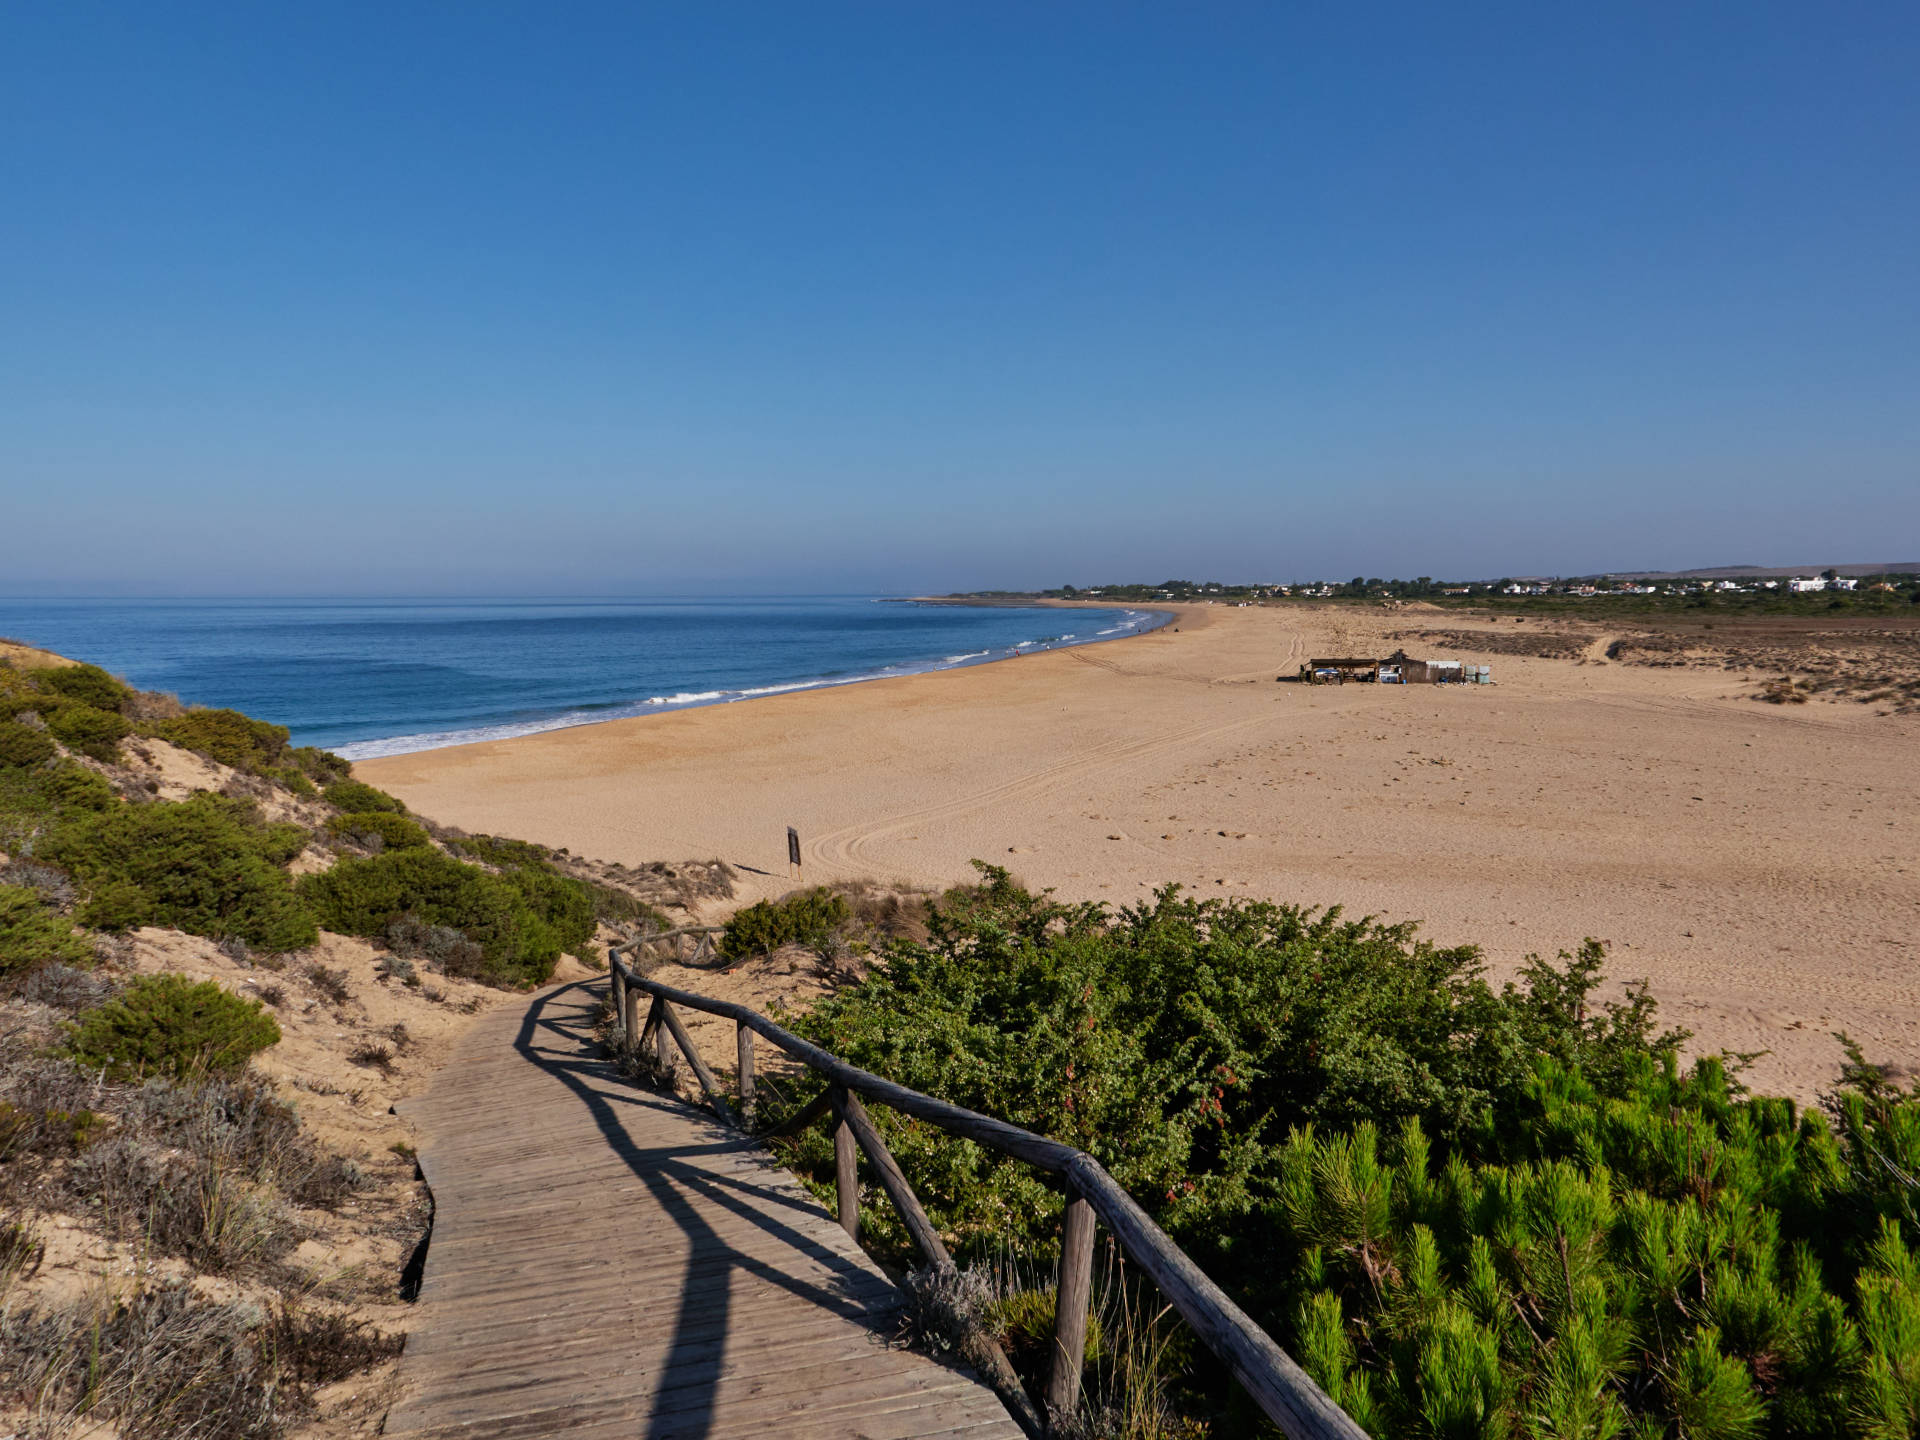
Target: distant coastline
{"x":1141,"y":620}
{"x":368,"y":677}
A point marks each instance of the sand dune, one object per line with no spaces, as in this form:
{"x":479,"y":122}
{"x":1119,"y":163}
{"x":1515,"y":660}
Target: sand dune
{"x":1757,"y":863}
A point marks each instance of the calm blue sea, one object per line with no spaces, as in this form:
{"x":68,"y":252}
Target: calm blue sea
{"x":383,"y":677}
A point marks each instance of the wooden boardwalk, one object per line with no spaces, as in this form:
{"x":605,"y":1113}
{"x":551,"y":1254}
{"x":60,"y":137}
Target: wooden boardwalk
{"x":606,"y":1261}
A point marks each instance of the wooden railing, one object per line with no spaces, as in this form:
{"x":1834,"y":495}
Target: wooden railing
{"x":685,"y":945}
{"x":1280,"y":1387}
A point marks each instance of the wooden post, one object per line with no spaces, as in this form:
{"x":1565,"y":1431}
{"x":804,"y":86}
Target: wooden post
{"x":743,"y":1050}
{"x":846,"y":1165}
{"x":708,"y":1085}
{"x":617,"y":989}
{"x":661,"y":1010}
{"x":1070,"y":1310}
{"x":630,"y":1013}
{"x":998,"y":1369}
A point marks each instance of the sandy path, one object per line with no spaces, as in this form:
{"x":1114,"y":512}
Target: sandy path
{"x":1757,"y":863}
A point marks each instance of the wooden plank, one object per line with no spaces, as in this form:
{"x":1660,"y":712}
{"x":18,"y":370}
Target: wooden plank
{"x":607,"y":1261}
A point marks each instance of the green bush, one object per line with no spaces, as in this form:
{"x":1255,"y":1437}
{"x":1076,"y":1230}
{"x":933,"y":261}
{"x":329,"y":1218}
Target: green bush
{"x":505,"y":853}
{"x":563,"y":903}
{"x":203,"y":865}
{"x":304,"y":769}
{"x":32,"y":800}
{"x":323,"y":767}
{"x":521,"y":924}
{"x":87,"y":684}
{"x":30,"y":936}
{"x":226,"y":736}
{"x":356,"y":798}
{"x":171,"y":1026}
{"x":623,"y":910}
{"x":393,"y":832}
{"x":807,"y":918}
{"x":23,"y":745}
{"x":1467,"y":1211}
{"x":296,"y":781}
{"x":88,"y":731}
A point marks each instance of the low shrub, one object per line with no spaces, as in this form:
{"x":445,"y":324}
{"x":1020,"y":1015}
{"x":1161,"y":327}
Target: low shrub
{"x":441,"y":946}
{"x":159,"y":1364}
{"x":624,"y":910}
{"x":522,"y":920}
{"x":295,"y":782}
{"x":807,"y":918}
{"x":356,"y":797}
{"x":34,"y":800}
{"x":86,"y":731}
{"x":504,"y":853}
{"x":66,"y":987}
{"x":203,"y":865}
{"x":21,"y":1249}
{"x":322,"y":1347}
{"x":332,"y":984}
{"x":323,"y":767}
{"x":398,"y":967}
{"x":31,"y":936}
{"x":196,"y":1208}
{"x":150,"y":705}
{"x":228,"y":737}
{"x":87,"y":685}
{"x":53,"y":885}
{"x":23,"y":745}
{"x":172,"y":1026}
{"x":1468,"y":1212}
{"x":378,"y":830}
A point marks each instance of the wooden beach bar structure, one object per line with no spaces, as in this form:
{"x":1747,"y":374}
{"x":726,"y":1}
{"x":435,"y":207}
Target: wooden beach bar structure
{"x":1396,"y":669}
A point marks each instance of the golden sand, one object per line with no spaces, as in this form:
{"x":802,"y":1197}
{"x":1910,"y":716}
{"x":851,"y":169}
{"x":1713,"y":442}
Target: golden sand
{"x":1757,"y":863}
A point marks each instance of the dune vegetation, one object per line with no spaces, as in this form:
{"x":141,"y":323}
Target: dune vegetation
{"x":134,"y":1110}
{"x":1469,"y":1211}
{"x":218,"y":864}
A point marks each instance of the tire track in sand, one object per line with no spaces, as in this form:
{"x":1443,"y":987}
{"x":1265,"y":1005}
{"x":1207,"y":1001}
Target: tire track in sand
{"x":844,"y":850}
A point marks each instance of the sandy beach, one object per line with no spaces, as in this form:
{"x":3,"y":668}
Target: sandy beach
{"x":1757,"y":863}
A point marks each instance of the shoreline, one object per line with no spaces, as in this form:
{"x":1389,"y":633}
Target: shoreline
{"x":1749,"y":860}
{"x":1152,"y":618}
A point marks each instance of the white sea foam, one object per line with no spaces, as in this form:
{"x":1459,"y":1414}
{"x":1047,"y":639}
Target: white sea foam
{"x":1135,"y":622}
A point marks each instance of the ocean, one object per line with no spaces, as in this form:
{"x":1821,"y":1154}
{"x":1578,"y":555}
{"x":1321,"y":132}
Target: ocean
{"x":366,"y":677}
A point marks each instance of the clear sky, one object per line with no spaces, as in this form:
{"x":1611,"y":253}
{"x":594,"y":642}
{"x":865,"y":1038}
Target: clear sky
{"x":628,"y":298}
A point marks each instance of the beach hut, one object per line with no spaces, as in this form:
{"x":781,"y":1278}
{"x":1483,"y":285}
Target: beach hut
{"x":1339,"y":669}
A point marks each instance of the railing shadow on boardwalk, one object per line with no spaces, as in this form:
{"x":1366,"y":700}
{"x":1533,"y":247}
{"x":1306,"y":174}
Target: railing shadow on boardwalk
{"x":694,"y":1360}
{"x":1272,"y":1378}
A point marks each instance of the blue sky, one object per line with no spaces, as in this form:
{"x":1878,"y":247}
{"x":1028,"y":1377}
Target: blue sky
{"x":579,"y":299}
